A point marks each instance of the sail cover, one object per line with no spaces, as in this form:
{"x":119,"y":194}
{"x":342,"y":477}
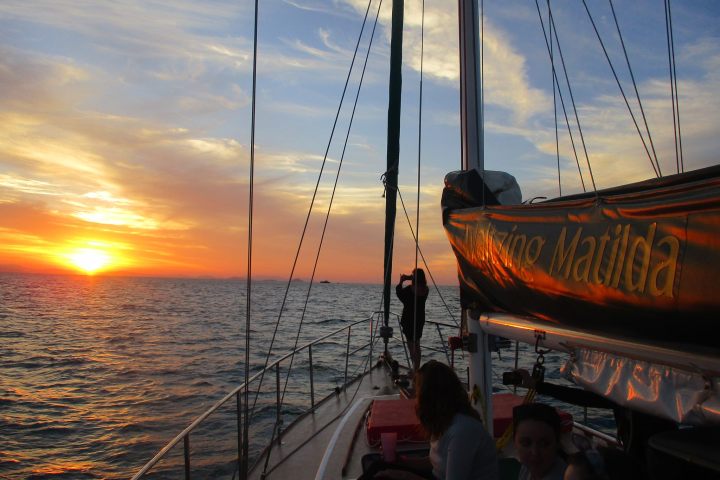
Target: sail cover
{"x":642,"y":260}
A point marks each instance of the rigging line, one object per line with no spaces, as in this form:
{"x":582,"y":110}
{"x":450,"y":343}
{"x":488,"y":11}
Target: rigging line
{"x":417,"y":211}
{"x":427,"y":267}
{"x":248,"y":281}
{"x":364,"y":363}
{"x":562,"y":103}
{"x":332,"y":199}
{"x":389,"y":259}
{"x":552,"y":63}
{"x":632,"y":76}
{"x":677,"y":92}
{"x":572,"y":101}
{"x":673,"y":89}
{"x":481,"y":134}
{"x":312,"y":202}
{"x":656,"y":168}
{"x":405,"y":348}
{"x":382,"y":295}
{"x":316,"y":432}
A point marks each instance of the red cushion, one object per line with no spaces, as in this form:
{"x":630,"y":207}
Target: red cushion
{"x":397,"y":415}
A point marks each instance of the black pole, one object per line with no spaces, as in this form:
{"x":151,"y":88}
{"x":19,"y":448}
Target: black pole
{"x":393,"y":150}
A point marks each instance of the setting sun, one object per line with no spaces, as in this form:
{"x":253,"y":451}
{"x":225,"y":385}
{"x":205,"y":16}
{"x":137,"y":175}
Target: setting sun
{"x":89,"y":260}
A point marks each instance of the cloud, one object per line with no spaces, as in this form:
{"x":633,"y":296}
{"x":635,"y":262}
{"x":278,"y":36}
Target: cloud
{"x":169,"y":198}
{"x":617,"y":154}
{"x":506,"y":80}
{"x":133,"y":130}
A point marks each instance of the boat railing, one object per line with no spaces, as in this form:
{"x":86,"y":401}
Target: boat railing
{"x":274,"y":369}
{"x":237,"y":394}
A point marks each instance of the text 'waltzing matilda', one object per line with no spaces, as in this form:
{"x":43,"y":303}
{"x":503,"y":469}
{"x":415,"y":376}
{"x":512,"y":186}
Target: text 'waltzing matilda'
{"x":632,"y":257}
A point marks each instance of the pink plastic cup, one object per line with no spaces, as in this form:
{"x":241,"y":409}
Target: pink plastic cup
{"x":388,"y":440}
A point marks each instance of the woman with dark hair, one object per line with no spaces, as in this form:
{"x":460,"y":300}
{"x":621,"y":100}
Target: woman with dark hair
{"x":536,"y":434}
{"x":412,"y":321}
{"x":460,"y":447}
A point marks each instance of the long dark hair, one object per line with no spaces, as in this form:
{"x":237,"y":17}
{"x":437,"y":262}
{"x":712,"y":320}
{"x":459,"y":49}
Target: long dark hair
{"x":440,"y":396}
{"x":419,"y":277}
{"x":420,"y":282}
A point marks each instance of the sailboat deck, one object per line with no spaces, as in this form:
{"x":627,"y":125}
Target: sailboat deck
{"x":321,"y":443}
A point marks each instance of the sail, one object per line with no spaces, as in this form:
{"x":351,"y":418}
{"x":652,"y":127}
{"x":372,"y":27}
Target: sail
{"x":637,"y":261}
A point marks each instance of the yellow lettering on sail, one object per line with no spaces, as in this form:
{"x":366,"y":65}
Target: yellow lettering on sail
{"x":531,"y":258}
{"x":599,"y":257}
{"x":666,"y":269}
{"x":581,"y":269}
{"x":621,"y":256}
{"x":646,"y":245}
{"x":562,"y":258}
{"x":613,"y":256}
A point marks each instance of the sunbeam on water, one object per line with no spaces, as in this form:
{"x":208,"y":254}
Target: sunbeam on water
{"x":99,"y":373}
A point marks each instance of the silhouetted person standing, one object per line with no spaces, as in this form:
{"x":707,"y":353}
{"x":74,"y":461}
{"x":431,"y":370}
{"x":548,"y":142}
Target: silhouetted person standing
{"x":413,"y":297}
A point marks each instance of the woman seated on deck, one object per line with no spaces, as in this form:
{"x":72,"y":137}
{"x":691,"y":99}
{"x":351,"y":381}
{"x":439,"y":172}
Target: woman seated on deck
{"x":536,"y":434}
{"x":460,"y":447}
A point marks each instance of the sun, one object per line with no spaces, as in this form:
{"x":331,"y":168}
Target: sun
{"x":89,"y":260}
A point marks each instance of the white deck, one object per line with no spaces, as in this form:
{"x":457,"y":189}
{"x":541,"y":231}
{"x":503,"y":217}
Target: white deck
{"x":321,"y":443}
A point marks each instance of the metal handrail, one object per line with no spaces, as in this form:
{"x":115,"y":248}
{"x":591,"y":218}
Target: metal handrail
{"x":184,"y":435}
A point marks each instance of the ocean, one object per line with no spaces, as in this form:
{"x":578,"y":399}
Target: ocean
{"x":98,"y":373}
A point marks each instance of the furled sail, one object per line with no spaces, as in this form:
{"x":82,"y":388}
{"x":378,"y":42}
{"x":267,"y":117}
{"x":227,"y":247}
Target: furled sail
{"x":639,"y":260}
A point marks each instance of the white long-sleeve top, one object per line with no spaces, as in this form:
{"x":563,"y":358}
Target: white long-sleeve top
{"x":464,"y":452}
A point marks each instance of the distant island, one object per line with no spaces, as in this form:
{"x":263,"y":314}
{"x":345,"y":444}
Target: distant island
{"x":324,"y":281}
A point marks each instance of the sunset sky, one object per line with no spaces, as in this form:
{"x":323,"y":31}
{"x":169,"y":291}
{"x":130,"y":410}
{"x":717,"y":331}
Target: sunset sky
{"x":125,"y":126}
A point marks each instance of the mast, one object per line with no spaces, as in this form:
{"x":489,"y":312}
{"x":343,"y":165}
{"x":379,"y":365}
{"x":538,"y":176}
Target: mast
{"x":393,"y":156}
{"x":472,"y":146}
{"x":473,"y":155}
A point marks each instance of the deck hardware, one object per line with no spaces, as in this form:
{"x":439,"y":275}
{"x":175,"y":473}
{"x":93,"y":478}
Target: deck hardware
{"x":538,"y":372}
{"x":540,"y":335}
{"x":470,"y":342}
{"x":186,"y":452}
{"x":347,"y":356}
{"x":278,"y":403}
{"x":238,"y":417}
{"x":312,"y":380}
{"x":454,"y":343}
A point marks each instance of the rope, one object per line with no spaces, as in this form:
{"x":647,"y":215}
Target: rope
{"x":312,"y":203}
{"x":562,"y":101}
{"x":248,"y":283}
{"x":656,"y":167}
{"x":332,"y":198}
{"x":637,"y":94}
{"x":427,"y":267}
{"x":552,"y":64}
{"x":365,"y":363}
{"x":417,"y":210}
{"x":481,"y":134}
{"x":327,"y":215}
{"x":679,"y":162}
{"x":392,"y":243}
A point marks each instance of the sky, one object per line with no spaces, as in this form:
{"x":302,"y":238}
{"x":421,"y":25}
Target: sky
{"x":125,"y":126}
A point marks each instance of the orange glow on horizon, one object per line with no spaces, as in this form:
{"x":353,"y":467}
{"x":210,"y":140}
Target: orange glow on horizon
{"x":93,"y":257}
{"x":89,"y":260}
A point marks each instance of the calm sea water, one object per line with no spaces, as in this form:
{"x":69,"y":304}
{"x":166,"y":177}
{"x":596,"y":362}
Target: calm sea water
{"x":97,"y":373}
